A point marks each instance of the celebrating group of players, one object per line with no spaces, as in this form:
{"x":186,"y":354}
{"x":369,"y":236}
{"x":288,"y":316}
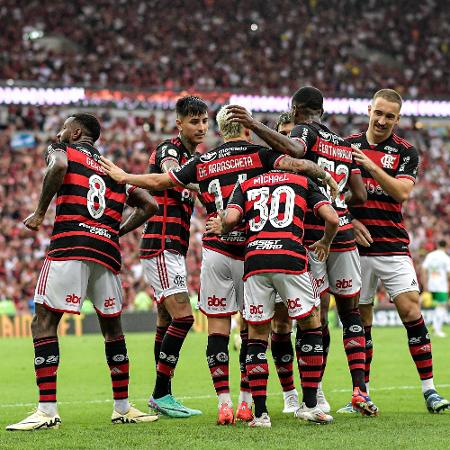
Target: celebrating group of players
{"x":288,"y":224}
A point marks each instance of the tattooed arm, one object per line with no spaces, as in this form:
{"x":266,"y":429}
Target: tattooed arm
{"x":145,"y":207}
{"x":311,"y":170}
{"x":171,"y":164}
{"x":53,"y":179}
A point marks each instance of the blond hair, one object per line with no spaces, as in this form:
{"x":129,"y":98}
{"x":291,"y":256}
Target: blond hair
{"x":227,"y":128}
{"x":389,"y":95}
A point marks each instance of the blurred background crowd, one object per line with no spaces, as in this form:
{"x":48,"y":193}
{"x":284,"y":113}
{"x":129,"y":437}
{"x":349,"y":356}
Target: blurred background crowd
{"x":345,"y":47}
{"x":130,"y":138}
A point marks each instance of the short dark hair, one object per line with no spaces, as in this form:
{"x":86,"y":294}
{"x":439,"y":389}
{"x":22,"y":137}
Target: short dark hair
{"x":283,"y":119}
{"x":91,"y":125}
{"x":442,"y":243}
{"x":190,"y":105}
{"x":309,"y":100}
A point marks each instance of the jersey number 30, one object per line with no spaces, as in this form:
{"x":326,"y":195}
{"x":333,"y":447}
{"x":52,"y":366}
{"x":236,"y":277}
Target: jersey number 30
{"x":271,"y":212}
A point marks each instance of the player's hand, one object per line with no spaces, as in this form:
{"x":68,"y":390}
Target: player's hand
{"x":362,"y":159}
{"x":115,"y":172}
{"x":34,"y":221}
{"x":321,"y":248}
{"x":214,"y":225}
{"x":362,"y":234}
{"x":241,"y":115}
{"x":334,"y":188}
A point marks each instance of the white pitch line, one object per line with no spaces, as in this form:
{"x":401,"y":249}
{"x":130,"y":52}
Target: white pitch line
{"x":200,"y":397}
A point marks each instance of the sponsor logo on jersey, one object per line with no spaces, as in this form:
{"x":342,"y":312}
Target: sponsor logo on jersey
{"x":344,"y":284}
{"x":95,"y":230}
{"x":109,"y":302}
{"x":256,"y":309}
{"x":390,"y":149}
{"x":330,"y":137}
{"x":73,"y":298}
{"x":208,"y":156}
{"x":265,"y":244}
{"x":217,"y":301}
{"x":294,"y":303}
{"x":172,"y":152}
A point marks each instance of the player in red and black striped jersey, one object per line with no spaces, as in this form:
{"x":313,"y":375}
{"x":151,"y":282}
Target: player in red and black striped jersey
{"x":83,"y":260}
{"x":217,"y":172}
{"x":163,"y":250}
{"x":341,"y":271}
{"x":389,"y":166}
{"x":273,"y":206}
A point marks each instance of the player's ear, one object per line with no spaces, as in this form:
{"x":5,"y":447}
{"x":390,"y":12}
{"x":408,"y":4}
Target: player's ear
{"x":76,"y":133}
{"x":369,"y":108}
{"x":178,"y":123}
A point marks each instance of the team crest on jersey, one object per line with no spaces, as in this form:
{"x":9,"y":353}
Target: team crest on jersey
{"x":388,"y":161}
{"x":208,"y":156}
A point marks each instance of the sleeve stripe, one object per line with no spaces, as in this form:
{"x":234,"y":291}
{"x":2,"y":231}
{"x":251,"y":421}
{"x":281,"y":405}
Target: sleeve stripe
{"x":408,"y":177}
{"x":278,"y":160}
{"x":235,"y":206}
{"x":319,"y":204}
{"x":174,"y":178}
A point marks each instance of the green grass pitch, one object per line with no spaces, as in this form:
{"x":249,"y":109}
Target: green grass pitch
{"x":84,"y":393}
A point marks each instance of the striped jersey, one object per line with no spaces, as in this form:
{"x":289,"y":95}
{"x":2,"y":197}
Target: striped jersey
{"x":89,"y":207}
{"x":333,"y":154}
{"x":381,"y":214}
{"x":217,"y":172}
{"x":168,"y":229}
{"x":274,"y":207}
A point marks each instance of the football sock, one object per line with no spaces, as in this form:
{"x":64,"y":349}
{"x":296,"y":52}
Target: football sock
{"x":170,"y":352}
{"x":283,"y":357}
{"x":354,"y":346}
{"x":326,"y":347}
{"x":369,"y":355}
{"x":258,"y":374}
{"x":310,"y":360}
{"x":420,"y":349}
{"x":245,"y":394}
{"x":117,"y":359}
{"x":46,"y":360}
{"x":217,"y":357}
{"x":159,"y":336}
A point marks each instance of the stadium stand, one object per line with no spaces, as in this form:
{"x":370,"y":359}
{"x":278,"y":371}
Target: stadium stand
{"x":346,"y":47}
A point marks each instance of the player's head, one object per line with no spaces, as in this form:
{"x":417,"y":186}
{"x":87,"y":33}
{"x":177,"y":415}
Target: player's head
{"x":306,"y":104}
{"x":80,"y":127}
{"x":384,"y":114}
{"x":442,"y":244}
{"x":231,"y":130}
{"x":192,"y":118}
{"x":284,"y":124}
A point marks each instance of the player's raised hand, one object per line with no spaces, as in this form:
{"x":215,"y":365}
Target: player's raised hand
{"x":362,"y":159}
{"x":362,"y":234}
{"x":34,"y":221}
{"x":115,"y":172}
{"x":321,"y":249}
{"x":334,"y":188}
{"x":240,"y":114}
{"x":214,"y":225}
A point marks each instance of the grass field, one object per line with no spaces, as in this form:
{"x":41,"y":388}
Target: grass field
{"x":84,"y":393}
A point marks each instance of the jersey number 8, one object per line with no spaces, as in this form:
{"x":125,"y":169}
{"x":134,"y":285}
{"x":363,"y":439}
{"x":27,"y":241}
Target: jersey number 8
{"x":96,"y":194}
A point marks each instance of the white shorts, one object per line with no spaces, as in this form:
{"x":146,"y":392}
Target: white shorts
{"x":297,"y":292}
{"x":221,"y":285}
{"x":340,"y":274}
{"x":166,"y":274}
{"x":63,"y":285}
{"x":396,"y":272}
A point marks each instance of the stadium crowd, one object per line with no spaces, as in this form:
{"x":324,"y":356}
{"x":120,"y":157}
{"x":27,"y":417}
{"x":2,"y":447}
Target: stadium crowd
{"x":346,"y":47}
{"x":132,"y":138}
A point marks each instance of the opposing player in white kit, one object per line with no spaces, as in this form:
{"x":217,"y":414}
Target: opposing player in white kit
{"x":83,"y":260}
{"x":389,"y":166}
{"x":274,"y":206}
{"x":435,"y":279}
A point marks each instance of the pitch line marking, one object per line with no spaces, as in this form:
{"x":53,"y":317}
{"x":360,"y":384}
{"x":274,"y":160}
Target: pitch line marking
{"x":202,"y":397}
